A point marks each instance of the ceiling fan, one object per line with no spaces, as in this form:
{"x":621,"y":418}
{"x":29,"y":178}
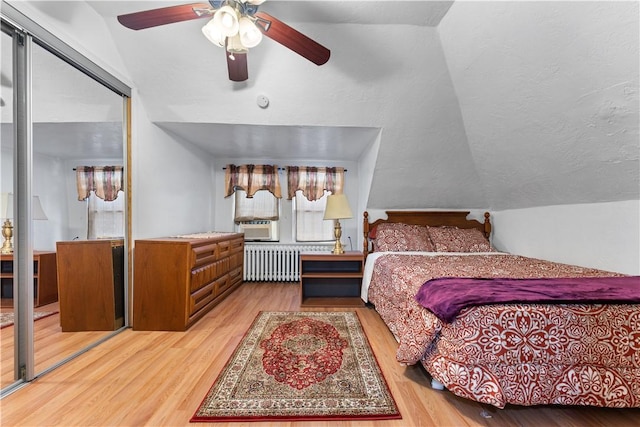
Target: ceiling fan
{"x":236,"y":26}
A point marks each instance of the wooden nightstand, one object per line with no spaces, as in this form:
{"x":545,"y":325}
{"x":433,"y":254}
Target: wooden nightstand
{"x":328,"y":279}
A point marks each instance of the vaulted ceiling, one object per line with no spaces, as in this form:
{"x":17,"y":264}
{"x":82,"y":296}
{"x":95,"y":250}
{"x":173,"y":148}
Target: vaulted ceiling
{"x":492,"y":105}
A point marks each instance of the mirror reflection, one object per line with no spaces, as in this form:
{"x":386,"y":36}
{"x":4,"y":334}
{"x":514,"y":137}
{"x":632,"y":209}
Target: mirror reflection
{"x":79,"y":225}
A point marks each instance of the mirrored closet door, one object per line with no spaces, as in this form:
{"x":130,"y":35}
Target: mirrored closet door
{"x":64,"y":175}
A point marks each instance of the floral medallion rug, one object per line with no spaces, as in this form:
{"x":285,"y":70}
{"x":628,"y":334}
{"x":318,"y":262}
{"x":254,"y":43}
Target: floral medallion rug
{"x":300,"y":366}
{"x":6,"y":319}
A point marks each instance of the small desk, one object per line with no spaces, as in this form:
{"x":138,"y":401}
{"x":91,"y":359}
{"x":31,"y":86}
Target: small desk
{"x":45,"y":281}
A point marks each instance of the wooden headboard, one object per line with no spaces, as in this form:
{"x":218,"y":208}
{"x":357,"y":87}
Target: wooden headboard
{"x":432,"y":218}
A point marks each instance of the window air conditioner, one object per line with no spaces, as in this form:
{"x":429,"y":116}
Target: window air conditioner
{"x":266,"y":231}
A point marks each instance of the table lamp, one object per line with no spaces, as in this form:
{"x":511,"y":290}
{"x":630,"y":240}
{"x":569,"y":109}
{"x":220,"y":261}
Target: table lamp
{"x":6,"y":213}
{"x":337,"y":209}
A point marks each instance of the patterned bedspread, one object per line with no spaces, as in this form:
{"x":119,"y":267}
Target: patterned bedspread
{"x":525,"y":354}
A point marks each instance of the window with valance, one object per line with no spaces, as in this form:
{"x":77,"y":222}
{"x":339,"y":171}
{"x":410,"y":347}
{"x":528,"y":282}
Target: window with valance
{"x":101,"y":186}
{"x":257,"y":190}
{"x":309,"y":187}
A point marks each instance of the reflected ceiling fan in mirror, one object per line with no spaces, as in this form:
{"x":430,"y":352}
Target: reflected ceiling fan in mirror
{"x":4,"y":82}
{"x":236,"y":26}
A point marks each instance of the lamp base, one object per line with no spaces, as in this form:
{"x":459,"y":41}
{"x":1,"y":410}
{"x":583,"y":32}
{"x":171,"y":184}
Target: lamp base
{"x":337,"y":232}
{"x":7,"y":233}
{"x":337,"y":248}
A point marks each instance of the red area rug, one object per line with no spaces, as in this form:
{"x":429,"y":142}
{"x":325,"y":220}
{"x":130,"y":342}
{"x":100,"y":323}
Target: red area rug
{"x":300,"y":366}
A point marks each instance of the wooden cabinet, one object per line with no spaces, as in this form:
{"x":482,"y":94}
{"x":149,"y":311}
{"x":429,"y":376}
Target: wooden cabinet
{"x":176,"y":281}
{"x":45,"y":281}
{"x":91,"y":284}
{"x":329,"y":279}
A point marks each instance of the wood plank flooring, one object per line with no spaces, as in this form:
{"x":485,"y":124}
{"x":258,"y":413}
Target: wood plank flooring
{"x":141,"y":378}
{"x":50,"y":343}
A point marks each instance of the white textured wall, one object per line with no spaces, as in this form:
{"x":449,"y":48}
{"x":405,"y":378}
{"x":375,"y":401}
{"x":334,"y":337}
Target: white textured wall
{"x":78,"y":24}
{"x":598,"y":235}
{"x":390,"y":77}
{"x":549,"y":97}
{"x":172,"y":183}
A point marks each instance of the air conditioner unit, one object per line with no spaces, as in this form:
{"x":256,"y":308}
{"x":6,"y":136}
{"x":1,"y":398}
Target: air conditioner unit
{"x":266,"y":231}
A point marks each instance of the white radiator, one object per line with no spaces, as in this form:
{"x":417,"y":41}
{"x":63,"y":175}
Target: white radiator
{"x":276,"y":263}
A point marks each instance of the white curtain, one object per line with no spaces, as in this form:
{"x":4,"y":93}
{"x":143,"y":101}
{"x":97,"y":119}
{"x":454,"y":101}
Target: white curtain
{"x":309,"y":217}
{"x":262,"y":206}
{"x":106,"y":219}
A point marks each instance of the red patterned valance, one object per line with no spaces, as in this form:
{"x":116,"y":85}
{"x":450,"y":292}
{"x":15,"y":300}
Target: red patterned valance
{"x":105,"y":181}
{"x":252,"y":178}
{"x":313,"y":181}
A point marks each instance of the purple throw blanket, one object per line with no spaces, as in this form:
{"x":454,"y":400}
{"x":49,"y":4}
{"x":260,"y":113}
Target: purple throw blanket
{"x":446,"y":296}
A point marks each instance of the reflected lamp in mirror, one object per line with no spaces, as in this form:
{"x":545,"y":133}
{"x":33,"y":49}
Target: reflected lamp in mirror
{"x":337,"y":209}
{"x":6,"y":214}
{"x":37,"y":211}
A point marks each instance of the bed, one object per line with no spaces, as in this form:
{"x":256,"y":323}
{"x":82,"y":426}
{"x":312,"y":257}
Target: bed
{"x":523,"y":352}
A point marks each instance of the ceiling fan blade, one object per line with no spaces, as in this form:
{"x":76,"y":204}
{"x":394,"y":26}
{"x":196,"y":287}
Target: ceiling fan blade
{"x":293,"y":39}
{"x":164,"y":15}
{"x":238,"y":71}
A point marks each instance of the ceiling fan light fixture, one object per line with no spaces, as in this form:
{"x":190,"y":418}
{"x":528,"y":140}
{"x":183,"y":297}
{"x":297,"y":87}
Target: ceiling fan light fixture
{"x":213,"y":33}
{"x":226,"y":19}
{"x":254,"y":2}
{"x":250,"y":35}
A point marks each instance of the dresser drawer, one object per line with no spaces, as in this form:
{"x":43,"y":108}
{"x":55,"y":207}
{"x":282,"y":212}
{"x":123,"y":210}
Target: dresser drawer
{"x":204,"y":275}
{"x":235,"y":276}
{"x":205,"y":254}
{"x":206,"y":294}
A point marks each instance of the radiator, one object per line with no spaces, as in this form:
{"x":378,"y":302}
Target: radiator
{"x":275,"y":263}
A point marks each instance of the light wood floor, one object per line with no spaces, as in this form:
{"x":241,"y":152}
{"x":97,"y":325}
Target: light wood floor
{"x":159,"y":378}
{"x":50,"y":344}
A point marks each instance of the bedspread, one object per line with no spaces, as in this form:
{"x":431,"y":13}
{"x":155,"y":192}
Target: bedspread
{"x":527,"y":354}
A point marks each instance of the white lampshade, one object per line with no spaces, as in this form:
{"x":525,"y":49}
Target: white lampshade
{"x":337,"y":207}
{"x":6,"y":207}
{"x":213,"y":34}
{"x":226,"y":19}
{"x":250,"y":35}
{"x":36,"y":209}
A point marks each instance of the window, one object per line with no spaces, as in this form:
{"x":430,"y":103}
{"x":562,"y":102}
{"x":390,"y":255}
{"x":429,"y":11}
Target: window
{"x":106,"y":219}
{"x":309,"y":222}
{"x":263,"y":205}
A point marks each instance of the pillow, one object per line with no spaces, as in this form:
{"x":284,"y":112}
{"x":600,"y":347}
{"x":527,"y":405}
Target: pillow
{"x":454,"y":239}
{"x":398,"y":237}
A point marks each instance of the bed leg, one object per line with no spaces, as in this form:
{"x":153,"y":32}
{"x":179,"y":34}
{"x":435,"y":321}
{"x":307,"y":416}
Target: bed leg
{"x":485,"y":414}
{"x":436,"y":385}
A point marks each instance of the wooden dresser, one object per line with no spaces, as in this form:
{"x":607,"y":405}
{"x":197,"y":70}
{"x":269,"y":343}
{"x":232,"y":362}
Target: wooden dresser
{"x":176,"y":281}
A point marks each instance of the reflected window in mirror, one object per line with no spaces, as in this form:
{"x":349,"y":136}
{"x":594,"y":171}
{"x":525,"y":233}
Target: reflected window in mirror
{"x":106,"y":218}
